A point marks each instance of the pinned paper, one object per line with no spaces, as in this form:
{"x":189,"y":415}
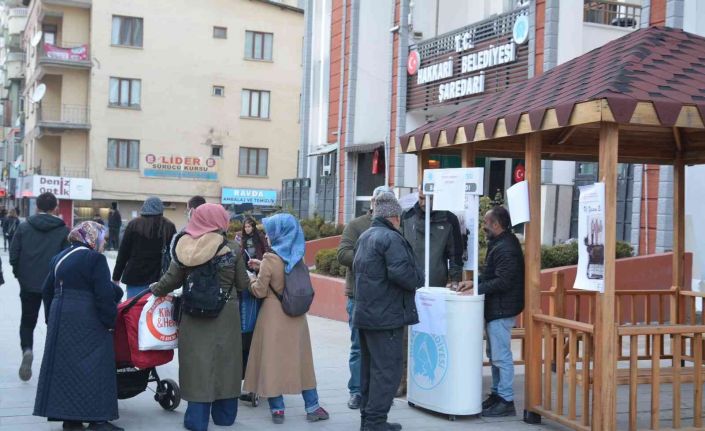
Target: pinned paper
{"x":518,"y":203}
{"x":432,"y":313}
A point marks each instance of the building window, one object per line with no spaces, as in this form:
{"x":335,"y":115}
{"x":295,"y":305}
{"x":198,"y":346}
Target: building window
{"x":255,"y":104}
{"x":216,"y":151}
{"x":125,"y":92}
{"x":127,"y":31}
{"x":258,"y":46}
{"x":218,"y":90}
{"x":253,"y":162}
{"x":220,"y":32}
{"x":49,"y":32}
{"x":123,"y":154}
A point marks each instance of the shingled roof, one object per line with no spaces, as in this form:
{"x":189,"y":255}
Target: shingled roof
{"x":660,"y":65}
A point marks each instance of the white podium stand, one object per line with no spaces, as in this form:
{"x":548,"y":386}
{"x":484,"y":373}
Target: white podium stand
{"x":445,"y":371}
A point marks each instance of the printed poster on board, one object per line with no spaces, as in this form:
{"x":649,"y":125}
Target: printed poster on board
{"x":591,"y":238}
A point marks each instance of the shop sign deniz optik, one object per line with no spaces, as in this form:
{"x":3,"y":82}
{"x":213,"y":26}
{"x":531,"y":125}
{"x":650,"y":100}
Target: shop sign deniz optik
{"x":467,"y":63}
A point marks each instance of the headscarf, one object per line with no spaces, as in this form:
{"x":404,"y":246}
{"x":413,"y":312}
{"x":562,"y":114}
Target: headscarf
{"x":152,"y":206}
{"x":207,"y":218}
{"x":287,"y":238}
{"x":88,"y":233}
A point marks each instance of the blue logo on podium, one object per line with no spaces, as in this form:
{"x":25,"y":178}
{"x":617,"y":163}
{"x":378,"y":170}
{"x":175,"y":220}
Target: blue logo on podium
{"x":429,"y":359}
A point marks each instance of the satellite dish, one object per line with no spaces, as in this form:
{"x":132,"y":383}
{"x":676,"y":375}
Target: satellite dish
{"x":39,"y":93}
{"x":37,"y":37}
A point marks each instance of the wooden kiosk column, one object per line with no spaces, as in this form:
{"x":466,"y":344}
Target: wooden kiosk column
{"x":532,"y":278}
{"x":604,"y":417}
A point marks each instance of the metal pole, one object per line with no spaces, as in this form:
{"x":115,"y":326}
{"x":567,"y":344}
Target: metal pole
{"x":476,"y":244}
{"x":427,"y":240}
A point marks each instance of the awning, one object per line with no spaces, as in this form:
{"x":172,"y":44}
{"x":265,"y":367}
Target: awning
{"x":364,"y":148}
{"x":323,"y":150}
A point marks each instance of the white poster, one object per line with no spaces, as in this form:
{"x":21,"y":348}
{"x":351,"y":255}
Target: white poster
{"x":432,"y":313}
{"x":591,"y":238}
{"x":518,"y":202}
{"x":472,"y":209}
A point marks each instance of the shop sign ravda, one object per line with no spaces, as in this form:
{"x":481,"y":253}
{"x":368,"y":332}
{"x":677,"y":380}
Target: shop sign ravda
{"x":484,"y":57}
{"x":180,"y":167}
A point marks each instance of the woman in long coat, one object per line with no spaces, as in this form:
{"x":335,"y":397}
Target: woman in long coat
{"x":280,"y":360}
{"x":77,"y":380}
{"x":210,"y":349}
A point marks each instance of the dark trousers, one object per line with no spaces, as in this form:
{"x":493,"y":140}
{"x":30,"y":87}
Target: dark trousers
{"x":198,"y":415}
{"x":31,"y":303}
{"x":114,"y":238}
{"x":246,"y":343}
{"x":381,"y":369}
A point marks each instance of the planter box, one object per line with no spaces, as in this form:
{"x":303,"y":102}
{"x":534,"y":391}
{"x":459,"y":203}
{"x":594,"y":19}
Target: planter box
{"x":330,"y":300}
{"x":316,"y":245}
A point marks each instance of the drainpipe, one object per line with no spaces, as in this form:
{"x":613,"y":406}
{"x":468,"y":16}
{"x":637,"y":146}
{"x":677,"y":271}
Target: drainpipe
{"x":341,"y":172}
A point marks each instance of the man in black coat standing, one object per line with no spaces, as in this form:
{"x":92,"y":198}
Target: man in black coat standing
{"x":502,"y":283}
{"x":114,"y":225}
{"x":35,"y":243}
{"x":386,"y":279}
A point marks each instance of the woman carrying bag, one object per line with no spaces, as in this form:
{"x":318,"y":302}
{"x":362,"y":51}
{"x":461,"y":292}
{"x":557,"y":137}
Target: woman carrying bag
{"x":281,"y":360}
{"x":210,"y":345}
{"x":77,"y":380}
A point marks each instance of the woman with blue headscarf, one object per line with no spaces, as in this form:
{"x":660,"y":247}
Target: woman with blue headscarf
{"x":281,"y":361}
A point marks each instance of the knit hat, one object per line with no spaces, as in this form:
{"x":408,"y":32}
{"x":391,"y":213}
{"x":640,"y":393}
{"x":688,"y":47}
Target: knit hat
{"x":152,"y":206}
{"x":387,"y":205}
{"x":381,"y":189}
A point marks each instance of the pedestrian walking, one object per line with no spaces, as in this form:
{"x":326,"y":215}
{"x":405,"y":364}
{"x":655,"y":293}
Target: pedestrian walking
{"x":35,"y":242}
{"x":210,"y":351}
{"x":346,"y":255}
{"x":144,"y":247}
{"x":77,"y":379}
{"x":386,"y":279}
{"x":281,"y":361}
{"x":254,"y":245}
{"x":9,"y":226}
{"x":114,"y":225}
{"x":502,"y":283}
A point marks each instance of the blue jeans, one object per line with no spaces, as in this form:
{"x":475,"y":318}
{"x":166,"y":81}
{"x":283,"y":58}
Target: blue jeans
{"x":197,"y":415}
{"x":134,"y":290}
{"x":499,"y":351}
{"x":355,"y":360}
{"x":310,"y":401}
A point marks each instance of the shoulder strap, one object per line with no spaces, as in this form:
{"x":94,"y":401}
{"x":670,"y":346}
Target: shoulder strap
{"x":56,"y":268}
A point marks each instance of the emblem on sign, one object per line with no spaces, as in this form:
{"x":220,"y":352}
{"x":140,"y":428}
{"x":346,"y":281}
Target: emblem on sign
{"x":520,"y":33}
{"x":429,"y":355}
{"x":412,"y":65}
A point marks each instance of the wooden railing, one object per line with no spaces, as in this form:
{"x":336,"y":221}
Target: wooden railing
{"x":571,"y":344}
{"x":684,"y":344}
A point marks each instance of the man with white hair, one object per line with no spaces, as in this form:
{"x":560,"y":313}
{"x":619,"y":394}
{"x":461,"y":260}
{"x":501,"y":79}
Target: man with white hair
{"x":346,"y":254}
{"x":386,"y":279}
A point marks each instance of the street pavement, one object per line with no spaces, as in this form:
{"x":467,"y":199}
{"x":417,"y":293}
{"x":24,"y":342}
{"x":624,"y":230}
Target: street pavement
{"x":330,"y":341}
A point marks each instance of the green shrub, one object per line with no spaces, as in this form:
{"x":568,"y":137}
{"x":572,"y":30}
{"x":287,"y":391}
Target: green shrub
{"x":624,"y":249}
{"x":324,"y":259}
{"x":343,"y":271}
{"x":310,"y":233}
{"x":567,"y":254}
{"x":326,"y":230}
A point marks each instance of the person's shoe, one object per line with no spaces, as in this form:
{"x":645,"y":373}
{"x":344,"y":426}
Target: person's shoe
{"x":354,"y":402}
{"x":278,"y":417}
{"x":501,"y":409}
{"x":104,"y":426}
{"x":319,"y":415}
{"x":491,"y":400}
{"x":26,"y":366}
{"x":391,"y":426}
{"x":72,"y":426}
{"x":246,"y":397}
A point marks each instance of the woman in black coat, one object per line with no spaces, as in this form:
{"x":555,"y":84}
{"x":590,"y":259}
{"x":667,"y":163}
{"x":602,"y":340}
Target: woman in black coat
{"x":77,"y":380}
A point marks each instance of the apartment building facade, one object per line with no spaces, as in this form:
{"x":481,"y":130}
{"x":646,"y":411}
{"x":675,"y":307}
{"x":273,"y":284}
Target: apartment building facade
{"x":123,"y":106}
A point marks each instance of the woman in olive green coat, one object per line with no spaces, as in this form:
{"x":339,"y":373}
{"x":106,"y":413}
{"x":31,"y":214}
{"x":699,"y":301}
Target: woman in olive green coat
{"x":210,"y":349}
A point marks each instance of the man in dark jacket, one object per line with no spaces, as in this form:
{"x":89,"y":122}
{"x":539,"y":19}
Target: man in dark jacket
{"x":346,"y":254}
{"x":114,"y":225}
{"x":502,"y":283}
{"x":36,"y":241}
{"x":386,"y":279}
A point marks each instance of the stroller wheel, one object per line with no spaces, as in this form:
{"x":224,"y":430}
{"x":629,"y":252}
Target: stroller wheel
{"x":168,"y":394}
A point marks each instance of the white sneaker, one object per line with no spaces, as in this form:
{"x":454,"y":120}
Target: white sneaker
{"x":26,"y":366}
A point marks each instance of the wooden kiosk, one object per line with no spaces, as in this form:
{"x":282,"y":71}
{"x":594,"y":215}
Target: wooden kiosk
{"x":639,"y":99}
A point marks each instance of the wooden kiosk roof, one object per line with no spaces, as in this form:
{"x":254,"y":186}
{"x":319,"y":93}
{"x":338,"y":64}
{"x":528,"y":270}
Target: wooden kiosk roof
{"x":649,"y":82}
{"x":638,"y":99}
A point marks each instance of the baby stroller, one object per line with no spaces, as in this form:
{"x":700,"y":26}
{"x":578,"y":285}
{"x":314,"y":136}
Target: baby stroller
{"x":135,"y":368}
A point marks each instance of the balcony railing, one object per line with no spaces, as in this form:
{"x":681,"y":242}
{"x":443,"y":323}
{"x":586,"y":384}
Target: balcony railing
{"x":16,"y":56}
{"x":18,"y":12}
{"x":612,"y":13}
{"x":65,"y":116}
{"x":67,"y":171}
{"x":66,"y":53}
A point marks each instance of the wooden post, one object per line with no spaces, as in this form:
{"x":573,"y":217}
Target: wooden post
{"x":604,"y":417}
{"x":532,"y":279}
{"x":468,"y":161}
{"x":422,"y":158}
{"x":678,"y":233}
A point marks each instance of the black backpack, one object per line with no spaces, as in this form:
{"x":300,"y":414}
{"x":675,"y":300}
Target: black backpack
{"x":298,"y":291}
{"x":202,"y":295}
